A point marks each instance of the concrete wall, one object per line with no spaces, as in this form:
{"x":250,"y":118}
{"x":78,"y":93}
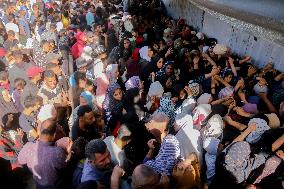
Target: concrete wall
{"x":243,"y":38}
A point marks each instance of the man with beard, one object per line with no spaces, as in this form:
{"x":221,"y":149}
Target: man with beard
{"x":84,"y":125}
{"x":98,"y":166}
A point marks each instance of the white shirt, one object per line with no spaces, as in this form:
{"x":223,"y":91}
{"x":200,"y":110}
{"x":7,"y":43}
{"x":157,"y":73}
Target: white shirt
{"x":59,"y":26}
{"x":11,"y":26}
{"x":117,"y":154}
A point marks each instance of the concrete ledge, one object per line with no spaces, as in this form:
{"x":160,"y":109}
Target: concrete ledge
{"x":242,"y":32}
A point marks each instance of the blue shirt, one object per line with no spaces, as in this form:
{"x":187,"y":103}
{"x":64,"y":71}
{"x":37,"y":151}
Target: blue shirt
{"x":24,"y":23}
{"x":92,"y":173}
{"x":90,"y":18}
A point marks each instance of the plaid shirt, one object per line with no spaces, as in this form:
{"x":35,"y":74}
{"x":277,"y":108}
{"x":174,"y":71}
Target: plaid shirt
{"x":9,"y":150}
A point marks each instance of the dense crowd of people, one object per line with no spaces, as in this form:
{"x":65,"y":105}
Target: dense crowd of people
{"x":116,"y":94}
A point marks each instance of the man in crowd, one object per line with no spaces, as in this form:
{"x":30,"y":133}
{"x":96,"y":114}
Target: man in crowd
{"x":51,"y":92}
{"x":31,"y":88}
{"x":98,"y":166}
{"x":43,"y":158}
{"x":85,"y":126}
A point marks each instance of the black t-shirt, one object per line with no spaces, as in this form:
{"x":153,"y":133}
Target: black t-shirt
{"x":88,"y":134}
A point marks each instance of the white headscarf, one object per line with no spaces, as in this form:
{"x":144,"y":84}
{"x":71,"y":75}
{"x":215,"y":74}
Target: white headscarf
{"x":204,"y":98}
{"x":156,"y":89}
{"x":110,"y":71}
{"x":214,"y":127}
{"x":144,"y":53}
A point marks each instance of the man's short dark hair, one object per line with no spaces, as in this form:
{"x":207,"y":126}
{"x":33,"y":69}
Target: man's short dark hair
{"x":84,"y":109}
{"x":50,"y":66}
{"x":78,"y":148}
{"x":96,"y":146}
{"x":48,"y":127}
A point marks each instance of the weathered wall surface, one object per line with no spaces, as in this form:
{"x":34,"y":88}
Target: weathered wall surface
{"x":241,"y":37}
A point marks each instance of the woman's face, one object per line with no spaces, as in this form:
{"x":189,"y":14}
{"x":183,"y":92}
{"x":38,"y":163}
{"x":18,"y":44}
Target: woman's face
{"x":150,"y":52}
{"x":251,"y":70}
{"x":116,"y":73}
{"x":160,"y":63}
{"x":169,"y":69}
{"x":117,"y":95}
{"x":126,"y":44}
{"x":228,"y":78}
{"x":182,"y":94}
{"x":83,"y":101}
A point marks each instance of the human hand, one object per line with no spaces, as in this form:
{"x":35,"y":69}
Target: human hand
{"x":188,"y":91}
{"x":231,"y":60}
{"x":196,"y":60}
{"x":252,"y":127}
{"x":233,"y":104}
{"x":150,"y":144}
{"x":215,"y":70}
{"x":169,"y":83}
{"x":153,"y":76}
{"x":169,"y":52}
{"x":117,"y":172}
{"x":261,"y":80}
{"x":247,"y":58}
{"x":6,"y":96}
{"x":104,"y":35}
{"x":124,"y":111}
{"x":262,"y":95}
{"x":217,"y":77}
{"x":280,"y":154}
{"x":20,"y":133}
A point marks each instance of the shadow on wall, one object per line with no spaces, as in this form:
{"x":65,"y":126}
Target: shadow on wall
{"x":243,"y":38}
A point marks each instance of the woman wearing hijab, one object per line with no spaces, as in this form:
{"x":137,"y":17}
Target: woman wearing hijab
{"x":132,"y":66}
{"x":168,"y":107}
{"x":166,"y":76}
{"x":169,"y":152}
{"x":131,"y":101}
{"x":239,"y":163}
{"x":112,"y":105}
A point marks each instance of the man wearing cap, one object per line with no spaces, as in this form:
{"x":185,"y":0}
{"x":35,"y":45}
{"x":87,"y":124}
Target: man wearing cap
{"x":81,"y":65}
{"x":19,"y":69}
{"x":115,"y":145}
{"x":51,"y":92}
{"x":32,"y":88}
